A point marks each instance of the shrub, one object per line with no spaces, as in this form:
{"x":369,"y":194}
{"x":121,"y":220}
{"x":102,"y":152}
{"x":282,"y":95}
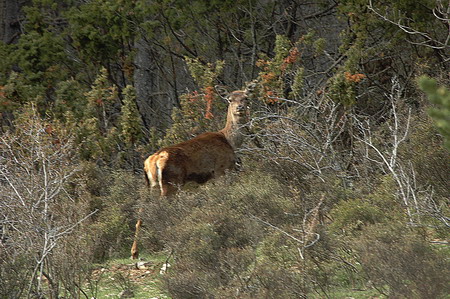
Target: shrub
{"x":279,"y":282}
{"x":440,"y":96}
{"x":351,"y":215}
{"x":226,"y":239}
{"x":400,"y":262}
{"x":112,"y":229}
{"x":42,"y":213}
{"x":430,"y":159}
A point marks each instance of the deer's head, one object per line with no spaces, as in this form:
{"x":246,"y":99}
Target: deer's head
{"x":238,"y":108}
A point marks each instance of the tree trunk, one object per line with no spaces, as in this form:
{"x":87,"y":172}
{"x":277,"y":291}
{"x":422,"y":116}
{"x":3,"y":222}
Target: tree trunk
{"x":152,"y":104}
{"x":10,"y":15}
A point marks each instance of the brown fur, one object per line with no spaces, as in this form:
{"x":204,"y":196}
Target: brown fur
{"x":200,"y":159}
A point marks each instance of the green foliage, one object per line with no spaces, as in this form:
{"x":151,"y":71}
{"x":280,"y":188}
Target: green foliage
{"x":187,"y":123}
{"x":402,"y":263}
{"x":297,"y":82}
{"x":196,"y":114}
{"x":39,"y":12}
{"x":313,"y":212}
{"x":112,"y":232}
{"x":101,"y":99}
{"x":41,"y":56}
{"x":5,"y":64}
{"x":276,"y":249}
{"x":342,"y":90}
{"x":319,"y":45}
{"x":14,"y":273}
{"x":190,"y":120}
{"x":18,"y":92}
{"x":70,"y":99}
{"x":204,"y":75}
{"x":221,"y":238}
{"x":115,"y":195}
{"x":440,"y":97}
{"x":281,"y":50}
{"x":269,"y":201}
{"x":374,"y":45}
{"x":425,"y":151}
{"x":97,"y":133}
{"x":275,"y":71}
{"x":130,"y":122}
{"x":364,"y":21}
{"x":202,"y":20}
{"x":277,"y":283}
{"x":101,"y":29}
{"x":352,"y":215}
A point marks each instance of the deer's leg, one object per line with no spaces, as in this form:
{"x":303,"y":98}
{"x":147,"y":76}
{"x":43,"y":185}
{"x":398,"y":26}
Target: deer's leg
{"x":153,"y":187}
{"x":134,"y":247}
{"x":168,"y":189}
{"x":154,"y":193}
{"x":170,"y":177}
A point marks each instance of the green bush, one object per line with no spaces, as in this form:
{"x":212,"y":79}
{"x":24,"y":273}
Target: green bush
{"x":400,"y":262}
{"x":115,"y":195}
{"x":362,"y":208}
{"x":227,"y":239}
{"x":440,"y":97}
{"x":430,"y":159}
{"x":354,"y":214}
{"x":278,"y":282}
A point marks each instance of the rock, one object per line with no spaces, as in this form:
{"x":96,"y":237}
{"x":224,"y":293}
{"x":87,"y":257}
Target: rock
{"x":143,"y":265}
{"x":164,"y":268}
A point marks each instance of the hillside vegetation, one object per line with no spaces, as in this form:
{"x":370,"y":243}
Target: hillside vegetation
{"x":344,"y":177}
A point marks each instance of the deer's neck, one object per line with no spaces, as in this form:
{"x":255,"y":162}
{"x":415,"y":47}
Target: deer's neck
{"x":233,"y":130}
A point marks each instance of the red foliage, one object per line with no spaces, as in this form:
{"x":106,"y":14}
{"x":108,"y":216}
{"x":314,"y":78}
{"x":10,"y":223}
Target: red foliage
{"x":271,"y":97}
{"x":3,"y":99}
{"x":354,"y":78}
{"x":193,"y":97}
{"x":51,"y":131}
{"x":262,"y":64}
{"x":267,"y":77}
{"x":209,"y":97}
{"x":294,"y":53}
{"x":293,"y":56}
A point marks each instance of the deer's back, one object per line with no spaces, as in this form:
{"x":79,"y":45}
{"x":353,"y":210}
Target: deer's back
{"x":199,"y":159}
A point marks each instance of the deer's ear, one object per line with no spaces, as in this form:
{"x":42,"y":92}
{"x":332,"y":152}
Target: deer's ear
{"x":250,"y":87}
{"x":222,"y":91}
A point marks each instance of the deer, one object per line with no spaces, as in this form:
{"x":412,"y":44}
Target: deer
{"x":200,"y":159}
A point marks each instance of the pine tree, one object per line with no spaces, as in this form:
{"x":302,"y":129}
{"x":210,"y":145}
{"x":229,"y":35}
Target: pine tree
{"x":130,"y":122}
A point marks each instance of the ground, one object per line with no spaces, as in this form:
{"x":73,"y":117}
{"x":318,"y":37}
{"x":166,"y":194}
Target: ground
{"x":125,"y":278}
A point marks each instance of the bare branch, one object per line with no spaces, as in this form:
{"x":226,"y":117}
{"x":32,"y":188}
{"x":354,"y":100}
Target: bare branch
{"x":429,"y":41}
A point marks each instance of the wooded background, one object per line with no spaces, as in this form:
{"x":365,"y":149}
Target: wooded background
{"x":344,"y":182}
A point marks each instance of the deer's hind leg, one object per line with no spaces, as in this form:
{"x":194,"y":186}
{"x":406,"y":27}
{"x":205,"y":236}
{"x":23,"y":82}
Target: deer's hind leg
{"x":171,"y":175}
{"x":150,"y":174}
